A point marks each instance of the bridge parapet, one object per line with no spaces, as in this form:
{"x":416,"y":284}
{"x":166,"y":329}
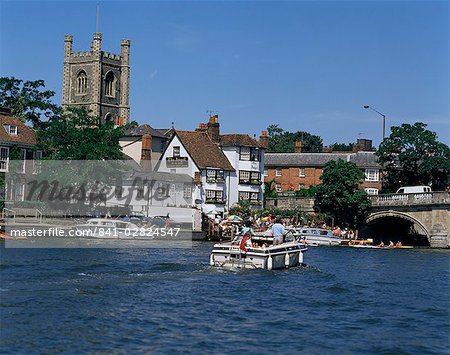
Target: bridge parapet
{"x":428,"y":198}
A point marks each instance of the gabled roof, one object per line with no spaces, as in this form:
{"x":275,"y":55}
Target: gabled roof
{"x":203,"y":151}
{"x":361,"y":159}
{"x":243,"y":140}
{"x":141,"y":130}
{"x":25,"y":135}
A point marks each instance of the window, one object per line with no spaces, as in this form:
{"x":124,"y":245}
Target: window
{"x":249,"y":154}
{"x":37,"y":156}
{"x":176,"y":152}
{"x":278,"y":172}
{"x":301,"y":172}
{"x":109,"y":84}
{"x":213,"y":175}
{"x":266,"y":173}
{"x":21,"y":166}
{"x":252,"y":197}
{"x":4,"y":158}
{"x":140,"y":191}
{"x":187,"y":191}
{"x":19,"y":191}
{"x":214,"y":196}
{"x":81,"y":82}
{"x":278,"y":187}
{"x":301,"y":186}
{"x":249,"y":177}
{"x":371,"y":191}
{"x":108,"y":117}
{"x":12,"y":130}
{"x":371,"y":174}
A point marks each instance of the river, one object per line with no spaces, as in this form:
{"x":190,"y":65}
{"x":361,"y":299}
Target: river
{"x":171,"y":301}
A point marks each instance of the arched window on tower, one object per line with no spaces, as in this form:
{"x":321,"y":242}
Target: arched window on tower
{"x":108,"y":117}
{"x":109,"y":84}
{"x":81,"y":82}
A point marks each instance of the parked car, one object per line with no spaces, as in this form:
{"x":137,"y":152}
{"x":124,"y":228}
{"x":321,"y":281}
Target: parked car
{"x":413,"y":189}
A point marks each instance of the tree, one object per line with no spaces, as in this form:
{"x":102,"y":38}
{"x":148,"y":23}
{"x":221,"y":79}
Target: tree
{"x":27,"y":100}
{"x":75,"y":135}
{"x":342,"y":147}
{"x":339,"y":195}
{"x":281,"y":141}
{"x":412,"y":155}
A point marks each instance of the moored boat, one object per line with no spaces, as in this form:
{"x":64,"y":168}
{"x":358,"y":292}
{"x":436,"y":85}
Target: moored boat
{"x":317,"y":236}
{"x":262,"y":254}
{"x":106,"y":228}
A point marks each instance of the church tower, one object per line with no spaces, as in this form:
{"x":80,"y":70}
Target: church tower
{"x":98,"y":80}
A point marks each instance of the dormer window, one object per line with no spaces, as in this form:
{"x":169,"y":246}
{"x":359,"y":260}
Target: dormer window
{"x":11,"y":129}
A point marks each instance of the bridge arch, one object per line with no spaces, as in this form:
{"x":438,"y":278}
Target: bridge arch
{"x":378,"y":218}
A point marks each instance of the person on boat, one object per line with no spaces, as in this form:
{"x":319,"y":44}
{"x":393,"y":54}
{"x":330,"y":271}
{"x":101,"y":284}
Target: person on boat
{"x":381,"y":245}
{"x":398,"y":245}
{"x":391,"y":244}
{"x":167,"y":223}
{"x":278,"y":231}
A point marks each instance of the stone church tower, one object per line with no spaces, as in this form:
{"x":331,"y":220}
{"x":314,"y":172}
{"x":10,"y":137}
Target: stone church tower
{"x":98,"y":80}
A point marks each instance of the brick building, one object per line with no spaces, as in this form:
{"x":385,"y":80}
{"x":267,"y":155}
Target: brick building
{"x":293,"y":171}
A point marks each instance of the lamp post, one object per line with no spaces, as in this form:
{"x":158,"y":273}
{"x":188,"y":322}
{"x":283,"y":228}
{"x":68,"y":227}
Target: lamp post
{"x":384,"y":119}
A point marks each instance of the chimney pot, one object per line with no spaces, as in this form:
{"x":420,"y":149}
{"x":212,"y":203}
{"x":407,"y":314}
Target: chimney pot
{"x":298,"y":147}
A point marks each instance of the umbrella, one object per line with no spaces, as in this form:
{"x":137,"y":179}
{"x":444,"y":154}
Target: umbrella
{"x":213,"y":212}
{"x":268,"y":218}
{"x":234,"y":218}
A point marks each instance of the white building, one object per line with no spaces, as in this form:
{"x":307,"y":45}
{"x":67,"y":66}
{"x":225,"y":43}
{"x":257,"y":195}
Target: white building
{"x":225,"y":168}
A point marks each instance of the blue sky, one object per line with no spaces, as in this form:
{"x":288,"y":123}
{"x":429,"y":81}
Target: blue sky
{"x":305,"y":65}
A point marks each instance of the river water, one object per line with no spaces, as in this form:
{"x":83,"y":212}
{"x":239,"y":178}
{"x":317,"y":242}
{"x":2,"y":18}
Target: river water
{"x":171,"y":301}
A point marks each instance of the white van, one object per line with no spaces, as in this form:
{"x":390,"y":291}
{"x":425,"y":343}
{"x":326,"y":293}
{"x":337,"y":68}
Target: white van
{"x":413,"y":189}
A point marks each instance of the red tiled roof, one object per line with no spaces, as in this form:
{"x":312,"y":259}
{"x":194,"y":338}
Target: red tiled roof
{"x":25,"y":135}
{"x":243,"y":140}
{"x":205,"y":153}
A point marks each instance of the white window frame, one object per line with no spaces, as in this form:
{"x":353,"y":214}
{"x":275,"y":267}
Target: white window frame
{"x":21,"y":195}
{"x":278,"y":187}
{"x":187,"y":191}
{"x":279,"y":172}
{"x":371,"y":175}
{"x":37,"y":165}
{"x":23,"y":156}
{"x":4,"y":159}
{"x":371,"y":191}
{"x":176,"y":151}
{"x":12,"y":130}
{"x":301,"y":172}
{"x":301,"y":186}
{"x":244,"y":196}
{"x":266,"y":172}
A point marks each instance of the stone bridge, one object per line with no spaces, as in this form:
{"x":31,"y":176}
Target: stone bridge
{"x":425,"y":217}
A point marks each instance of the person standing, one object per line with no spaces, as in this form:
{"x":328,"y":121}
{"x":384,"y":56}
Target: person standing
{"x":278,"y":231}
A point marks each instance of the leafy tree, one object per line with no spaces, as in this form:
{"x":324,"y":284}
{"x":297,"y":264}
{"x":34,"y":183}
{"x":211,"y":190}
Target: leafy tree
{"x":412,"y":155}
{"x":75,"y":135}
{"x":28,"y":100}
{"x":281,"y":141}
{"x":339,"y":196}
{"x":342,"y":147}
{"x":309,"y":192}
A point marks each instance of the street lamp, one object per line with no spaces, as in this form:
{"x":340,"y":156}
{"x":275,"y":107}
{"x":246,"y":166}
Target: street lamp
{"x":384,"y":119}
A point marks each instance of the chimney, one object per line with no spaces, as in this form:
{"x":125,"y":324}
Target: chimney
{"x":264,"y":140}
{"x":201,"y":127}
{"x":213,"y":128}
{"x":362,"y":145}
{"x":146,"y":152}
{"x":298,"y":147}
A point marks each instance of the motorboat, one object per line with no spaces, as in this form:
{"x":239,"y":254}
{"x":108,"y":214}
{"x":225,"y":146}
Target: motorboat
{"x":107,"y":228}
{"x":259,"y":253}
{"x":317,"y":236}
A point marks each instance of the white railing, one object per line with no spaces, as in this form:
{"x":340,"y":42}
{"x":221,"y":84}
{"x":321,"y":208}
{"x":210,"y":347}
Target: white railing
{"x":411,"y":199}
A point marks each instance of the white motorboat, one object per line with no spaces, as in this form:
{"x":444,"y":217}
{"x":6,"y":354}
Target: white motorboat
{"x":107,"y":228}
{"x":261,"y":255}
{"x":317,"y":236}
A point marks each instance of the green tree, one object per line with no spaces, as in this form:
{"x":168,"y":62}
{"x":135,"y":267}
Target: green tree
{"x":342,"y":147}
{"x":27,"y":100}
{"x":339,"y":195}
{"x":412,"y":155}
{"x":281,"y":141}
{"x":75,"y":135}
